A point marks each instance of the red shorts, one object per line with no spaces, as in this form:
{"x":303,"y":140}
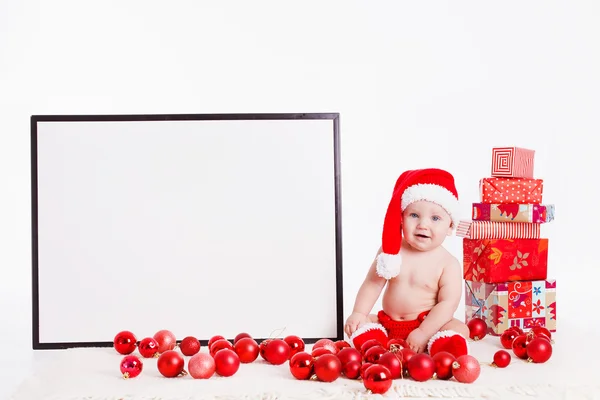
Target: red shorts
{"x":399,"y":329}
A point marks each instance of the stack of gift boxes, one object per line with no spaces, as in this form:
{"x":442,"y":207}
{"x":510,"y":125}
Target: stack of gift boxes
{"x":505,"y":259}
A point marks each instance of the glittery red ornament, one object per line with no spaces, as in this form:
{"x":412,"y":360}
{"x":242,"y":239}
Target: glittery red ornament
{"x":377,"y":379}
{"x":466,"y":369}
{"x":166,"y":340}
{"x":201,"y":366}
{"x":124,"y":342}
{"x":189,"y":346}
{"x":131,"y":366}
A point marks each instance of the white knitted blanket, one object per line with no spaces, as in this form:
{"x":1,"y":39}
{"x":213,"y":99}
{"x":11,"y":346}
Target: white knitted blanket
{"x":93,"y":374}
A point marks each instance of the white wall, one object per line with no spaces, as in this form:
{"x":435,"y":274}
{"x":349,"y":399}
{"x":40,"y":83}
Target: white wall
{"x":417,"y":85}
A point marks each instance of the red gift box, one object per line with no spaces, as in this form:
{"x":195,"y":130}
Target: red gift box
{"x":505,"y":260}
{"x":511,"y":190}
{"x":512,"y":162}
{"x":497,"y":230}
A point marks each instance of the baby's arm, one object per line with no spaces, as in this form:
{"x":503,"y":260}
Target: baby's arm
{"x":449,"y":294}
{"x":365,"y":299}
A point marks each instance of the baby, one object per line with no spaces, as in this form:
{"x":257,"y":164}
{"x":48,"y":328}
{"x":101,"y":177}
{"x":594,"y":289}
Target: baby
{"x":424,"y":281}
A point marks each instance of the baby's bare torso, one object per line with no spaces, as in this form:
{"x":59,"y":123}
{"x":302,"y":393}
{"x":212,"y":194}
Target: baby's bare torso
{"x":415,"y":289}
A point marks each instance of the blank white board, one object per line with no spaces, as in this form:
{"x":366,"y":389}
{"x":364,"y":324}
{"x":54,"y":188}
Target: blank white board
{"x":201,"y":224}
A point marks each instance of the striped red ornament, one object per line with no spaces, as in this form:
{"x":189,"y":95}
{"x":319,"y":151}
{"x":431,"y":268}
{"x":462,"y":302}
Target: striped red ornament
{"x":512,"y":162}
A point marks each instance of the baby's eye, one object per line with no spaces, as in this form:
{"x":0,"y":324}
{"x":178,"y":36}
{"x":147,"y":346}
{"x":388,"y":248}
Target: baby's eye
{"x":436,"y":218}
{"x":414,"y":215}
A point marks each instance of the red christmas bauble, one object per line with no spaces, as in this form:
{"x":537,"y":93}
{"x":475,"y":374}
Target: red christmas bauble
{"x":320,"y":351}
{"x":262,"y":347}
{"x":407,"y":354}
{"x":516,"y":329}
{"x":148,"y":348}
{"x":519,"y":346}
{"x":507,"y":337}
{"x":301,"y":365}
{"x":220,"y":345}
{"x":227,"y":362}
{"x":421,"y":367}
{"x":396,"y":344}
{"x":296,"y":344}
{"x":201,"y":366}
{"x":393,"y":362}
{"x":363,"y":369}
{"x":166,"y":340}
{"x":348,"y":354}
{"x":125,"y":342}
{"x":327,"y":344}
{"x":170,"y":364}
{"x":189,"y":346}
{"x":501,"y":359}
{"x":277,"y":352}
{"x":328,"y":368}
{"x":341,"y":344}
{"x":131,"y":366}
{"x":351,"y":369}
{"x":214,"y":339}
{"x":247,"y":349}
{"x":241,"y":336}
{"x":368,"y":344}
{"x":466,"y":369}
{"x":539,"y":350}
{"x":443,"y":365}
{"x":541,"y":331}
{"x":374,"y":353}
{"x":477,"y":328}
{"x":378,"y":379}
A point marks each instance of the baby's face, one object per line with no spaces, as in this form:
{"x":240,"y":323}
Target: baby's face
{"x":425,"y":225}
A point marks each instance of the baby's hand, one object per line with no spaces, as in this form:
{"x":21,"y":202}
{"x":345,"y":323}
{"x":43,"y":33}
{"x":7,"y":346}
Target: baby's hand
{"x":417,"y":340}
{"x":353,"y":322}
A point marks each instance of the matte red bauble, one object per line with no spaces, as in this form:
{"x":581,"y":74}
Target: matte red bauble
{"x":296,"y":344}
{"x":341,"y":344}
{"x":241,"y":336}
{"x":201,"y":366}
{"x":443,"y":365}
{"x":393,"y":362}
{"x":466,"y":369}
{"x":363,"y":369}
{"x":407,"y":354}
{"x":368,"y":344}
{"x":519,"y":346}
{"x":262,"y":347}
{"x":501,"y":359}
{"x":328,"y":368}
{"x":348,"y":354}
{"x":327,"y":344}
{"x":301,"y":365}
{"x":507,"y":337}
{"x":351,"y":369}
{"x":374,"y":353}
{"x":170,"y":364}
{"x":247,"y":349}
{"x":477,"y":328}
{"x":227,"y":362}
{"x":189,"y":346}
{"x":378,"y":379}
{"x":124,"y":342}
{"x":539,"y":350}
{"x":166,"y":340}
{"x":131,"y":366}
{"x":148,"y":348}
{"x":421,"y":367}
{"x":220,"y":345}
{"x":320,"y":351}
{"x":277,"y":352}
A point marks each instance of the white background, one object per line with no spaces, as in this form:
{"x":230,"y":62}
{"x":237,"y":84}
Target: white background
{"x":417,"y":85}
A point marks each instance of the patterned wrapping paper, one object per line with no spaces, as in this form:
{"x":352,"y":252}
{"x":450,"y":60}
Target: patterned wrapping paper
{"x":513,"y":212}
{"x":505,"y":260}
{"x":512,"y":162}
{"x":497,"y":230}
{"x":511,"y":190}
{"x":525,"y":304}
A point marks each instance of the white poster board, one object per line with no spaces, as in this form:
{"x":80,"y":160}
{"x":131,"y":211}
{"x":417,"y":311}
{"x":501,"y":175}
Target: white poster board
{"x":201,"y":224}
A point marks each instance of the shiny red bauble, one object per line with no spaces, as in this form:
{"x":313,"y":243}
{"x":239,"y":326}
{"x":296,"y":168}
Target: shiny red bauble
{"x":421,"y":367}
{"x":296,"y":344}
{"x":301,"y":365}
{"x":247,"y":349}
{"x":373,"y":354}
{"x":227,"y":362}
{"x":125,"y":342}
{"x":407,"y":354}
{"x":131,"y":366}
{"x":201,"y":366}
{"x":348,"y":354}
{"x":262,"y":347}
{"x":214,"y":339}
{"x":377,"y":379}
{"x":170,"y":364}
{"x":516,"y":329}
{"x":189,"y":346}
{"x":241,"y":336}
{"x":443,"y":364}
{"x":396,"y":344}
{"x":539,"y":350}
{"x":393,"y":362}
{"x":541,"y":331}
{"x":507,"y":337}
{"x":320,"y":351}
{"x":277,"y":352}
{"x":341,"y":344}
{"x":166,"y":340}
{"x":368,"y":344}
{"x":466,"y":369}
{"x":327,"y":344}
{"x":219,"y":345}
{"x":363,"y":369}
{"x":519,"y":346}
{"x":501,"y":359}
{"x":148,"y":347}
{"x":477,"y":328}
{"x":352,"y":369}
{"x":328,"y":367}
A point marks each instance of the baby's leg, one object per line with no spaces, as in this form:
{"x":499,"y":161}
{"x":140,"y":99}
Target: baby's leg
{"x":457,"y":326}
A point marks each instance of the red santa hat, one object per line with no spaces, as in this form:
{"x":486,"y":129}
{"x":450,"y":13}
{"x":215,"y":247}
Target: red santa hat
{"x":431,"y":184}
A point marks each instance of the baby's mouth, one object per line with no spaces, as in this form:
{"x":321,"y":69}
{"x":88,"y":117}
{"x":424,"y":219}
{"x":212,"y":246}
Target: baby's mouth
{"x":422,"y":236}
